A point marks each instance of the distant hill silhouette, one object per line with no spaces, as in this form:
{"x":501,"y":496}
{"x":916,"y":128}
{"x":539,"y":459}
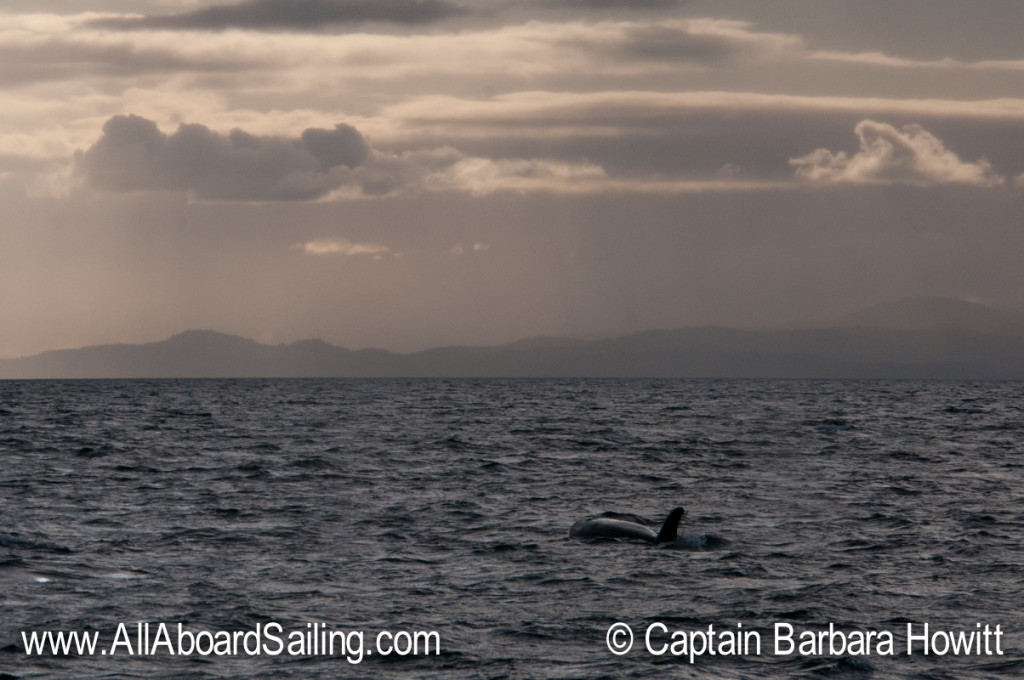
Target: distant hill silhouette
{"x":917,"y":338}
{"x":929,"y":312}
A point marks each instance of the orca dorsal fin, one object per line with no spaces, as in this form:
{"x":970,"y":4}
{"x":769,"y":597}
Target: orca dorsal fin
{"x":670,"y":529}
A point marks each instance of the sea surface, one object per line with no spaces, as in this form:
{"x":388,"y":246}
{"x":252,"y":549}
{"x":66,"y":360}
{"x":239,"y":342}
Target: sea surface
{"x":231,"y":506}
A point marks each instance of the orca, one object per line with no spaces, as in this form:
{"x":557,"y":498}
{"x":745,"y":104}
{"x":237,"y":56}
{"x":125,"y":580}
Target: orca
{"x":607,"y":527}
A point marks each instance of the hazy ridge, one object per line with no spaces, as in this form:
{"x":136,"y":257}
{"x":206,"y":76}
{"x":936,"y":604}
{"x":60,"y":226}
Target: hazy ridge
{"x":916,"y":338}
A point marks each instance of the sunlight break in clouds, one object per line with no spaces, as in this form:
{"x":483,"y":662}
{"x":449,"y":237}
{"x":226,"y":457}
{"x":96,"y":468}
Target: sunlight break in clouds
{"x":342,"y":247}
{"x":887,"y":155}
{"x":482,"y":176}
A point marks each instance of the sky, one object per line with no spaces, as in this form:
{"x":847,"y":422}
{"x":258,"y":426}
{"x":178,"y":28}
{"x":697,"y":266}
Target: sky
{"x":406,"y":174}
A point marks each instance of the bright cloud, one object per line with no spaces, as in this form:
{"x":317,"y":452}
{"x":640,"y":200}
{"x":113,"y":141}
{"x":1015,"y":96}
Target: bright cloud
{"x":887,"y":155}
{"x":482,"y":176}
{"x":885,"y":60}
{"x":342,"y":247}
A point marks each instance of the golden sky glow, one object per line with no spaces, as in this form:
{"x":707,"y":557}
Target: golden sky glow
{"x":264,"y":169}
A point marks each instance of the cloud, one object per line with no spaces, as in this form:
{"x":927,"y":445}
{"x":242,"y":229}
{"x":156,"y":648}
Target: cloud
{"x":891,"y":156}
{"x":481,"y":176}
{"x":664,"y":157}
{"x":707,"y":42}
{"x":693,"y":132}
{"x":40,"y":48}
{"x":342,"y":247}
{"x":458,"y":250}
{"x":56,"y":59}
{"x":293,"y":15}
{"x":70,"y":48}
{"x":598,"y":109}
{"x":445,"y":169}
{"x":530,"y":50}
{"x":20,"y":163}
{"x":610,"y":4}
{"x":881,"y":59}
{"x":134,"y":155}
{"x":665,"y":138}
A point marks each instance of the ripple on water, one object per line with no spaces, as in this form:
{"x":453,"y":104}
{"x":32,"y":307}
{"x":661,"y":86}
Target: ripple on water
{"x":444,"y":505}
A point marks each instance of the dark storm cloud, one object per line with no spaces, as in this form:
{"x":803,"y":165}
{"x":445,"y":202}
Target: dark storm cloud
{"x":134,"y":155}
{"x":295,"y":14}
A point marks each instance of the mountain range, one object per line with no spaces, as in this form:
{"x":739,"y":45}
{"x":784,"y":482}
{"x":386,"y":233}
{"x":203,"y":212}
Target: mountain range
{"x":915,"y":338}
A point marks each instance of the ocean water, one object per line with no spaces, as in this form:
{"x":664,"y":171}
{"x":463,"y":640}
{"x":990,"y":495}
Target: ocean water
{"x":231,"y":507}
